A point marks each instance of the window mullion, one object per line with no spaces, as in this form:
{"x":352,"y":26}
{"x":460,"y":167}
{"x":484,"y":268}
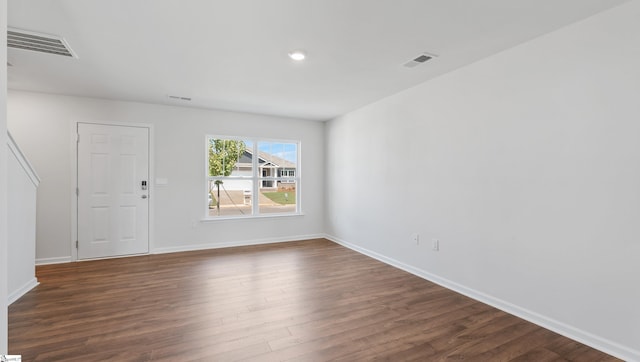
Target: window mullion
{"x":255,"y":197}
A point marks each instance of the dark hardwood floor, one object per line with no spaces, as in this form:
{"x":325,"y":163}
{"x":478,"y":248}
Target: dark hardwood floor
{"x":304,"y":301}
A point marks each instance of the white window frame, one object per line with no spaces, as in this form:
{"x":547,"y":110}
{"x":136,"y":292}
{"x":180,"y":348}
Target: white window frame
{"x":256,"y":178}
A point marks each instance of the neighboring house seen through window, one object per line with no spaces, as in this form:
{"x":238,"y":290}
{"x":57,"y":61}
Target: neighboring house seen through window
{"x":251,"y":177}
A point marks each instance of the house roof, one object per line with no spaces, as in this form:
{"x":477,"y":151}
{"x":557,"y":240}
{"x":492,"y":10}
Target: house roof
{"x":265,"y":157}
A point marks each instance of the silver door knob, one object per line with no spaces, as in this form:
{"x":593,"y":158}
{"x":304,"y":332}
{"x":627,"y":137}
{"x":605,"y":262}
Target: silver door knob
{"x":144,"y":196}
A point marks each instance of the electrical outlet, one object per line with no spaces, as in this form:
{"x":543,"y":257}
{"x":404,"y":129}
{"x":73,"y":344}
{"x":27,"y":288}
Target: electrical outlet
{"x":415,"y":237}
{"x":435,"y":244}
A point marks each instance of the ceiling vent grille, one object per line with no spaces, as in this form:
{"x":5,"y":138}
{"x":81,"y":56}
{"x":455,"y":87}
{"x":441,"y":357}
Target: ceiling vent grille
{"x":27,"y":40}
{"x":179,"y":98}
{"x":420,"y":59}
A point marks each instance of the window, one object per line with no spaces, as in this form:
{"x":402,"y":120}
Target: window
{"x":250,"y":177}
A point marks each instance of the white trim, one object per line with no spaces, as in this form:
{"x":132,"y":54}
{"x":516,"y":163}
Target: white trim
{"x":23,"y":290}
{"x":74,"y":198}
{"x":74,"y":181}
{"x":22,"y":160}
{"x":57,"y":260}
{"x":151,"y":186}
{"x":251,"y":217}
{"x":589,"y":339}
{"x":230,"y":244}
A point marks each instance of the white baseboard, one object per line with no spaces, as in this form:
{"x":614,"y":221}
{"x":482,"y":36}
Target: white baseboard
{"x":193,"y":247}
{"x":15,"y":295}
{"x":589,"y":339}
{"x":58,"y":260}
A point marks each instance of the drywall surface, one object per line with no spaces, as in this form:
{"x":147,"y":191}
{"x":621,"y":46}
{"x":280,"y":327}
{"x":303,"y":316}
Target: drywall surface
{"x":525,"y":166}
{"x":3,"y":179}
{"x":44,"y":127}
{"x":22,"y":186}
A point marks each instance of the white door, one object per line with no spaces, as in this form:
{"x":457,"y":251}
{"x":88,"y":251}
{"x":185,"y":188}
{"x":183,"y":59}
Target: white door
{"x":113,"y":199}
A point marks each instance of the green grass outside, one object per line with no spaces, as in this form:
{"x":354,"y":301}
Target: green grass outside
{"x":279,"y":197}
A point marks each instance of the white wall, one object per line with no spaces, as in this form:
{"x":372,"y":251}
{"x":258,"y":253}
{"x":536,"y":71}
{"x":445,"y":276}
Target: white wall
{"x":3,"y":177}
{"x":22,"y":186}
{"x":526,"y":167}
{"x":43,"y":126}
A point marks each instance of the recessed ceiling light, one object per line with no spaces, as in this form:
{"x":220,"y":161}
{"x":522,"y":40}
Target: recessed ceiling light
{"x":297,"y":55}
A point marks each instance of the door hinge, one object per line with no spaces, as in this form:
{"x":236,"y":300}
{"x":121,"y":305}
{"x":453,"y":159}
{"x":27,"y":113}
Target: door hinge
{"x":76,"y":244}
{"x":77,"y":191}
{"x":77,"y":137}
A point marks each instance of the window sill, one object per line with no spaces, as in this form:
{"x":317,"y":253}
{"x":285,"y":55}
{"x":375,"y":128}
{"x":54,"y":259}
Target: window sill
{"x":252,"y":217}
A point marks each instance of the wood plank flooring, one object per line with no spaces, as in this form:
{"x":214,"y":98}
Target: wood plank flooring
{"x":303,"y":301}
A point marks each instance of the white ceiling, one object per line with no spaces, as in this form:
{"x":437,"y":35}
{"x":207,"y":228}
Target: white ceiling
{"x":233,"y":54}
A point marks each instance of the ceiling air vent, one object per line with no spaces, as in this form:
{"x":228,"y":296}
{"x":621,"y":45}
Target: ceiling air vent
{"x":422,"y":58}
{"x":27,"y":40}
{"x":179,"y":98}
